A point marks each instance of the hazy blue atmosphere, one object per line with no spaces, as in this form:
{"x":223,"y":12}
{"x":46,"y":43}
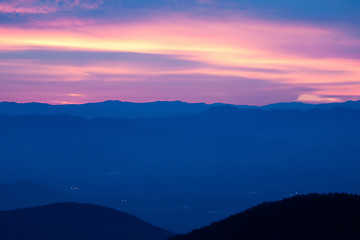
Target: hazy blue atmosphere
{"x":198,"y":165}
{"x":179,"y":119}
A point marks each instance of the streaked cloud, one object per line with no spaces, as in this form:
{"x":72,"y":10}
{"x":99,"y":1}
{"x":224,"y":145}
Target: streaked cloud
{"x":75,"y":95}
{"x":315,"y":98}
{"x":46,"y":7}
{"x":143,"y":88}
{"x":176,"y":54}
{"x":26,"y":7}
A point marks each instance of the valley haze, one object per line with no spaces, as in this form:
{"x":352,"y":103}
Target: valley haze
{"x":194,"y":165}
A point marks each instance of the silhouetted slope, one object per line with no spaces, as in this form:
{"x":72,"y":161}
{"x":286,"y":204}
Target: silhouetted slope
{"x":307,"y":106}
{"x":310,"y":217}
{"x":73,"y":221}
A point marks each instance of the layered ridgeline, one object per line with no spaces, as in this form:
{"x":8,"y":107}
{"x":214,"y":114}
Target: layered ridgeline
{"x":311,"y":217}
{"x":112,"y":109}
{"x":194,"y":169}
{"x":73,"y":221}
{"x":118,"y":109}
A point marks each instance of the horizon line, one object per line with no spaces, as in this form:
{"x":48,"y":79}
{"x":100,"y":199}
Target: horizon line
{"x":177,"y":101}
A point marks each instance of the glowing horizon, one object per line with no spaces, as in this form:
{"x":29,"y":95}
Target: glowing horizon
{"x":59,"y":56}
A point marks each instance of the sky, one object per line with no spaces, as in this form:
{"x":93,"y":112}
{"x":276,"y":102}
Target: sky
{"x":252,"y":52}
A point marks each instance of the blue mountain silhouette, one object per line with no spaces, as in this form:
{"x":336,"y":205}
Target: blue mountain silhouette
{"x":310,"y":217}
{"x":118,"y":109}
{"x":74,"y":221}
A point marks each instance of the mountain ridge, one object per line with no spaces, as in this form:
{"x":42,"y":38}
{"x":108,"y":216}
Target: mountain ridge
{"x":119,"y":109}
{"x":273,"y":152}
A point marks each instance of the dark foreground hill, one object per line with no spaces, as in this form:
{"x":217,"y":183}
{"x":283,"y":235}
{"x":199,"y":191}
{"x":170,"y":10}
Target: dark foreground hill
{"x":73,"y":221}
{"x":311,"y":217}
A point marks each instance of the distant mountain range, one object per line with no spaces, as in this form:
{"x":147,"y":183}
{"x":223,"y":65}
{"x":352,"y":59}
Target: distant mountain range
{"x":195,"y":169}
{"x":311,"y":217}
{"x":118,"y":109}
{"x":72,"y":221}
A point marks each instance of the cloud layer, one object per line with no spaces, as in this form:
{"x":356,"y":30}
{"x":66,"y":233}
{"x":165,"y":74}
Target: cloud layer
{"x":66,"y":51}
{"x":46,"y":7}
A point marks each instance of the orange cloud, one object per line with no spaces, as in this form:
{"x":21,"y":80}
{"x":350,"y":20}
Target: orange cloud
{"x":315,"y":98}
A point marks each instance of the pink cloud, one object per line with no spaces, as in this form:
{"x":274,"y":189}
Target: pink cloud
{"x":316,"y":98}
{"x":143,"y":88}
{"x":26,"y":7}
{"x":62,"y":22}
{"x":287,"y":55}
{"x":85,"y":4}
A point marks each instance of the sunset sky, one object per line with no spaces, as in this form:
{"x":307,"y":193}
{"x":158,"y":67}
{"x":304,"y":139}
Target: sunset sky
{"x":232,"y":51}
